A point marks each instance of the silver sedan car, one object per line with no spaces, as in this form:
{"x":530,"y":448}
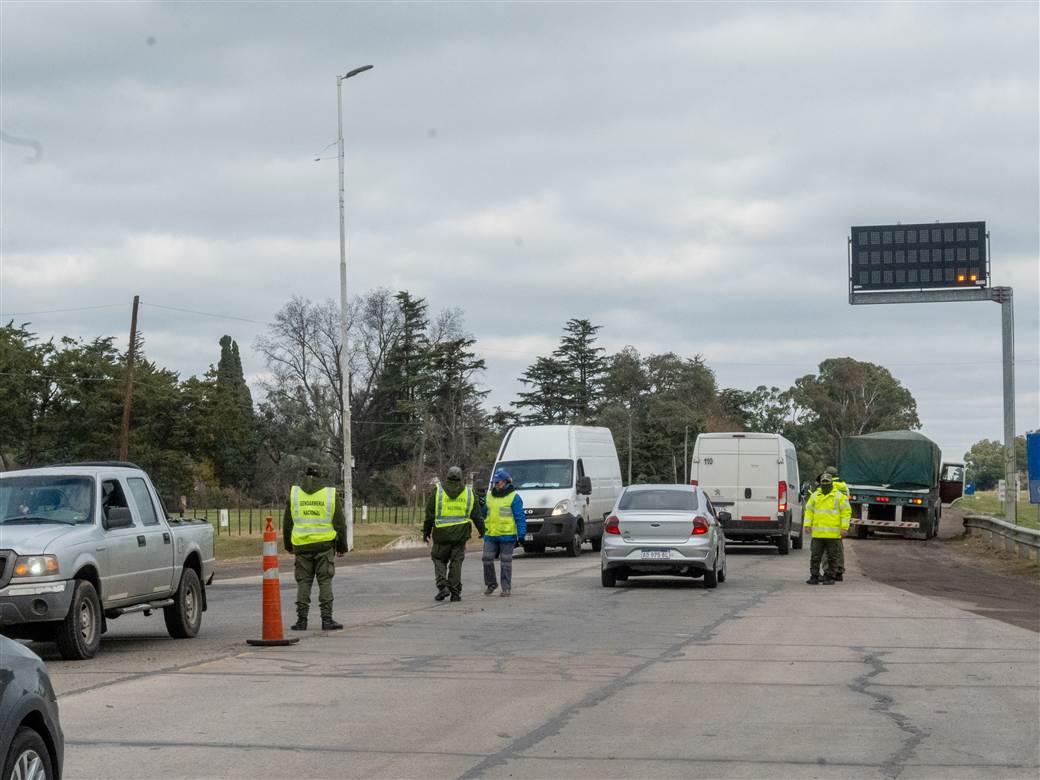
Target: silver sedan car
{"x":663,"y":529}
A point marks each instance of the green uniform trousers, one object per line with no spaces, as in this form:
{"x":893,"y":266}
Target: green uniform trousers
{"x":830,"y":553}
{"x":839,"y":556}
{"x":311,"y":564}
{"x":447,"y":566}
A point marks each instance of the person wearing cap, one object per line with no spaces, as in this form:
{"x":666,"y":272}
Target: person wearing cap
{"x":449,"y":512}
{"x":839,"y":484}
{"x":504,"y":526}
{"x":826,"y":516}
{"x":314,"y":529}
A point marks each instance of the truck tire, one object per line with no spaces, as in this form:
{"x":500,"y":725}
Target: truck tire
{"x":28,"y":756}
{"x":783,"y":544}
{"x":184,"y":618}
{"x":860,"y":531}
{"x":573,"y":547}
{"x":79,"y":634}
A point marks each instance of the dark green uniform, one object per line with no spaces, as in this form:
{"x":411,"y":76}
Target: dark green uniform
{"x":315,"y":561}
{"x":449,"y":544}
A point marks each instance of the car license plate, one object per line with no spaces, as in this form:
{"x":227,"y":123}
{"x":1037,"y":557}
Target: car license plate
{"x":528,"y":537}
{"x":655,"y":555}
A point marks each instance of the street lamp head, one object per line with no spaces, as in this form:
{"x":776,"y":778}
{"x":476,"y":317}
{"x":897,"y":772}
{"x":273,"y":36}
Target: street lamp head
{"x":356,"y":71}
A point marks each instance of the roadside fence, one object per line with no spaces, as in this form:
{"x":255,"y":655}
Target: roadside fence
{"x":249,"y":521}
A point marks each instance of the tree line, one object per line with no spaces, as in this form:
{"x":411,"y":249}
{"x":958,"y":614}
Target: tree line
{"x":417,"y":401}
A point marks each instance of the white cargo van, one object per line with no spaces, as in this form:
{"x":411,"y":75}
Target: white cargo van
{"x":754,"y":477}
{"x":569,"y":478}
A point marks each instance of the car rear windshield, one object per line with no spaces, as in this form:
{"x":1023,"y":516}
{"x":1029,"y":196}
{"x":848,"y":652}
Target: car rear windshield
{"x":660,"y":500}
{"x":46,"y":499}
{"x":535,"y":474}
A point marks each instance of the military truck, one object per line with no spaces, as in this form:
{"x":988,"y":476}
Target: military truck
{"x":893,"y":479}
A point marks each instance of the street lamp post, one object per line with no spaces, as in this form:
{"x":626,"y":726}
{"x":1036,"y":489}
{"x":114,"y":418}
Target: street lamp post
{"x":344,"y":367}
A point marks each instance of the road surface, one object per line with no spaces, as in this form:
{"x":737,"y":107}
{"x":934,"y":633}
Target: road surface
{"x":763,"y":677}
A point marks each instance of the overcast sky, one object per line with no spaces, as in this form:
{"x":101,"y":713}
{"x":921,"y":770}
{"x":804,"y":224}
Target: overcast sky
{"x":684,"y":175}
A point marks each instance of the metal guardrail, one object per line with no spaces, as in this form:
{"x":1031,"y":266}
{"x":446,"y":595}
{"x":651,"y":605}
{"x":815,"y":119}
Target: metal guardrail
{"x":1023,"y":542}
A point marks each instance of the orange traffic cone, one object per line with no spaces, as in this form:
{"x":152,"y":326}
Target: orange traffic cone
{"x":273,"y":635}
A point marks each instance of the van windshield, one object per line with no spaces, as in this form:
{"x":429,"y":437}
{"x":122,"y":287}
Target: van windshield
{"x":46,"y":499}
{"x":535,"y":474}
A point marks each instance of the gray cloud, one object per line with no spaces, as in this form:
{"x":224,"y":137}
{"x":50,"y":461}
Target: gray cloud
{"x":683,"y":174}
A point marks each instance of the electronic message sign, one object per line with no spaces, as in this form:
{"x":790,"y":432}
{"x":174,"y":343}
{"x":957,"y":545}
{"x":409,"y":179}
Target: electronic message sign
{"x":918,"y":257}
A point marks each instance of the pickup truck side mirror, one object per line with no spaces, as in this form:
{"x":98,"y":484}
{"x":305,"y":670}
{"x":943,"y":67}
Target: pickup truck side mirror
{"x":584,"y":486}
{"x":117,"y":517}
{"x":725,"y":517}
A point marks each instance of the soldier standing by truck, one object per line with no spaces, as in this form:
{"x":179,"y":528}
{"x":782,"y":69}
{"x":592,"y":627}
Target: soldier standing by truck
{"x":840,"y":486}
{"x":449,"y":512}
{"x":314,"y":529}
{"x":826,"y":516}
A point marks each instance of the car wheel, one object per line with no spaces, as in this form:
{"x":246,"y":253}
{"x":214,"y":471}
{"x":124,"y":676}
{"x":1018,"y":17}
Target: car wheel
{"x":711,"y":578}
{"x":574,"y":545}
{"x":607,"y":578}
{"x":621,"y":574}
{"x":184,"y":618}
{"x":597,"y":544}
{"x":722,"y":571}
{"x":783,"y":544}
{"x":28,"y":757}
{"x":79,"y":634}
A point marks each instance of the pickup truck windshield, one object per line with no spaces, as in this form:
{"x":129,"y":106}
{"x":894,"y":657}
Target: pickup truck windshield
{"x":46,"y":499}
{"x":535,"y":474}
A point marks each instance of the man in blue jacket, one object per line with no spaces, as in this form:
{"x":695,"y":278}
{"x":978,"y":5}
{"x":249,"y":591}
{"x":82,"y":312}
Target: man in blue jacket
{"x":504,"y":526}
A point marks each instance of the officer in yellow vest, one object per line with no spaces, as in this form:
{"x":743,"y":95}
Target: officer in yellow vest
{"x":826,"y":516}
{"x":839,"y":484}
{"x":314,"y":528}
{"x":449,"y":512}
{"x":506,"y":524}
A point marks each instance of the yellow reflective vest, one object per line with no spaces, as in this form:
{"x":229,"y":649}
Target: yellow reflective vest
{"x":312,"y":515}
{"x":450,"y":511}
{"x":827,"y":514}
{"x":840,"y":485}
{"x":500,"y":520}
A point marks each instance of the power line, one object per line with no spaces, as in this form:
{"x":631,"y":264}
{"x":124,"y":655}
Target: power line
{"x":203,"y":313}
{"x":4,"y":315}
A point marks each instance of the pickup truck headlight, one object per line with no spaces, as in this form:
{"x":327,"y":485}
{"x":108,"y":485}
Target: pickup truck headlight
{"x":562,"y":508}
{"x":35,"y":565}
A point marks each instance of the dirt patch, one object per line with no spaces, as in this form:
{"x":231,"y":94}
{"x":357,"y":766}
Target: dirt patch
{"x":954,"y":568}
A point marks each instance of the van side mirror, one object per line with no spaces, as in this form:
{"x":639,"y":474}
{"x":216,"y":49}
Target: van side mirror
{"x":117,"y":517}
{"x":725,"y":517}
{"x":584,"y":486}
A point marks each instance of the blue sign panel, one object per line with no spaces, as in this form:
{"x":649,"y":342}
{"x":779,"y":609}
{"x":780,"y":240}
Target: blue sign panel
{"x":1033,"y":465}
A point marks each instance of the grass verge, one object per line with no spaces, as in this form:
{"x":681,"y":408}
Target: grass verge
{"x":986,"y":503}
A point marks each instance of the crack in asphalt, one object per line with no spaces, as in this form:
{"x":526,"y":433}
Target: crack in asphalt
{"x":894,"y":765}
{"x":555,"y":724}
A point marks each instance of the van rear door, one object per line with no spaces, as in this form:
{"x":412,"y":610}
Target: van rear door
{"x":719,"y":471}
{"x":759,"y":480}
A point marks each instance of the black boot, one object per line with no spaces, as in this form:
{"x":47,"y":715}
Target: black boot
{"x":441,"y":594}
{"x":299,"y":625}
{"x":814,"y":579}
{"x":328,"y":624}
{"x":456,"y":597}
{"x":839,"y":577}
{"x":828,"y":579}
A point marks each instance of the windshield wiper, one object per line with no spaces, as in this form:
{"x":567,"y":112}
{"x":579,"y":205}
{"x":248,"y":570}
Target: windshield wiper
{"x":32,"y":520}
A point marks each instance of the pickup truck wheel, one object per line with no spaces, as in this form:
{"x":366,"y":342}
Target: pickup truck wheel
{"x":184,"y":618}
{"x":79,"y":634}
{"x":28,"y":757}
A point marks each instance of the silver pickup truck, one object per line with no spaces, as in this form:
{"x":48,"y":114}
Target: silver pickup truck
{"x":84,"y":543}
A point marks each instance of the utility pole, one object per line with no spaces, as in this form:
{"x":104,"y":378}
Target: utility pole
{"x":686,"y":456}
{"x":344,"y":366}
{"x":128,"y":396}
{"x":630,"y":446}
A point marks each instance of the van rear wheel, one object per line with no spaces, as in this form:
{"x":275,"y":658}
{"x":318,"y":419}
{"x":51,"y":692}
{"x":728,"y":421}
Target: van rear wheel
{"x":798,"y":542}
{"x":783,"y":544}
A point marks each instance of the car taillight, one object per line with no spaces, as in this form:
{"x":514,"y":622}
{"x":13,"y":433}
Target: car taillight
{"x":781,"y":497}
{"x":700,"y":526}
{"x":695,"y":482}
{"x":613,"y":526}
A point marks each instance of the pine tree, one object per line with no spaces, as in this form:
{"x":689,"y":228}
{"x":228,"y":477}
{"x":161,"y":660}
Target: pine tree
{"x":585,"y":365}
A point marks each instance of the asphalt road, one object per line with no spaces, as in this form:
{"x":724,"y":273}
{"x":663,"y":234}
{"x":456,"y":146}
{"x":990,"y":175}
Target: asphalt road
{"x":763,"y":677}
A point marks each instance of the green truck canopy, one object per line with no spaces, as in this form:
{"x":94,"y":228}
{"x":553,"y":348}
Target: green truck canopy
{"x":902,"y":460}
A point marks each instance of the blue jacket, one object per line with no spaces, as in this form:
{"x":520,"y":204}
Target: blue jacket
{"x":518,"y":516}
